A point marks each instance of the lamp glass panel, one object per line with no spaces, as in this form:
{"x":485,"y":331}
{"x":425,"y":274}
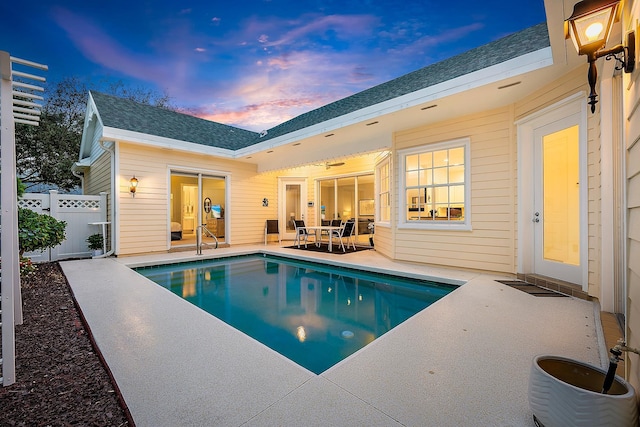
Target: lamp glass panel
{"x":592,"y":30}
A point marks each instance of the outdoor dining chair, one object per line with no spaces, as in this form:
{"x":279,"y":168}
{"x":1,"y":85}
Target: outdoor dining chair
{"x":271,"y":227}
{"x":345,"y":233}
{"x":301,"y":232}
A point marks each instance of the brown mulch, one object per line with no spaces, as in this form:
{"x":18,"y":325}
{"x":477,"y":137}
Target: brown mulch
{"x":60,"y":378}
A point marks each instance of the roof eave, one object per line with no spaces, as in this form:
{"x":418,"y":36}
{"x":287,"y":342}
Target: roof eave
{"x":514,"y":67}
{"x":116,"y":134}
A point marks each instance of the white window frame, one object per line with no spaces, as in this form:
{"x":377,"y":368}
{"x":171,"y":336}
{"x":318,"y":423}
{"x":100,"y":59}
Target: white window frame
{"x":464,"y":225}
{"x":386,"y":161}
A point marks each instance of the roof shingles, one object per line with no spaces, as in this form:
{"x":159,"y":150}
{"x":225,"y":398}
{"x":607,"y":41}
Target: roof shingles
{"x":129,"y":115}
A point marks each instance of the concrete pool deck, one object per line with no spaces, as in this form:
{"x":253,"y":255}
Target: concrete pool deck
{"x":463,"y":361}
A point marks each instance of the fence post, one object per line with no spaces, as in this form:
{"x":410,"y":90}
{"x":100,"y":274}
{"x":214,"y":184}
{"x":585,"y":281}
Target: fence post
{"x":54,"y":213}
{"x":9,"y":245}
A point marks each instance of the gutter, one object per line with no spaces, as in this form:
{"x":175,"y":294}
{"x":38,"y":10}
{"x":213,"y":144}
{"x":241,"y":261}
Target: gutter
{"x":78,"y":173}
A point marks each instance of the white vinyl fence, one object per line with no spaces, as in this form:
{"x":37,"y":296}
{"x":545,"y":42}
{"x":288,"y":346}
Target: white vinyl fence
{"x":78,"y":211}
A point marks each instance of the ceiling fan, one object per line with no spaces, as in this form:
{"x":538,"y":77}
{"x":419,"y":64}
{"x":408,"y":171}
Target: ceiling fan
{"x":328,"y":165}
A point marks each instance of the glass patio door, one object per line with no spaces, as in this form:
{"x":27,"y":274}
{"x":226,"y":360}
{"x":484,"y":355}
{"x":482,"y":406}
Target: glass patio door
{"x":293,"y":195}
{"x":557,"y":214}
{"x":194,"y":200}
{"x":349,"y":198}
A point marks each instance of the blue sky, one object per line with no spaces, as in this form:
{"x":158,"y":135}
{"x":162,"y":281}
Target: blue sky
{"x":252,"y":64}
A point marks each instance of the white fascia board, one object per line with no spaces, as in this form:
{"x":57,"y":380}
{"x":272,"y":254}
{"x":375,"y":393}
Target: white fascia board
{"x":511,"y":68}
{"x":85,"y":143}
{"x":115,"y":134}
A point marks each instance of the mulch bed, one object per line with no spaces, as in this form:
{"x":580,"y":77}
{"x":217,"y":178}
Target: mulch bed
{"x":60,"y":379}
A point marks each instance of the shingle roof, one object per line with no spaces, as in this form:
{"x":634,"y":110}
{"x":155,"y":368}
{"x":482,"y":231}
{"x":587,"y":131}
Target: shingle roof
{"x":130,"y":115}
{"x":504,"y":49}
{"x":126,"y":114}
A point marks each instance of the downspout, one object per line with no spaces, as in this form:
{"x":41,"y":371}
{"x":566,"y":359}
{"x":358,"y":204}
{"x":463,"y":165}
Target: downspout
{"x":112,"y":180}
{"x":79,"y":175}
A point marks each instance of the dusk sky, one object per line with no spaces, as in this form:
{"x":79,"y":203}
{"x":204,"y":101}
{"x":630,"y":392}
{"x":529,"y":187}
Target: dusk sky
{"x":252,"y":64}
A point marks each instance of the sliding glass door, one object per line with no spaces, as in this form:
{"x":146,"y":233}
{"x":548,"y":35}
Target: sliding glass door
{"x":349,"y":198}
{"x":196,"y":199}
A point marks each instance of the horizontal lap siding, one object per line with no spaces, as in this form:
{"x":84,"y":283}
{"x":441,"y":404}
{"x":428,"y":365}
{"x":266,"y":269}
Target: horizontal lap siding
{"x":490,"y":243}
{"x":144,"y":218}
{"x":632,"y":108}
{"x":98,"y":179}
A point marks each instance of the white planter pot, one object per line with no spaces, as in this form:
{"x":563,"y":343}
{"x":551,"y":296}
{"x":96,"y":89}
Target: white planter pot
{"x":565,"y":392}
{"x":97,"y":252}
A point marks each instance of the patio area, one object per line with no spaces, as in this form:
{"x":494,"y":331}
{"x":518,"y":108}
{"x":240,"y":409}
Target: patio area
{"x":465,"y":360}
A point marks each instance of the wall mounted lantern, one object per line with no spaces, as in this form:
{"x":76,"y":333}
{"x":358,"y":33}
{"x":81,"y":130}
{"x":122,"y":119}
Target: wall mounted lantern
{"x":589,"y":27}
{"x":133,"y":185}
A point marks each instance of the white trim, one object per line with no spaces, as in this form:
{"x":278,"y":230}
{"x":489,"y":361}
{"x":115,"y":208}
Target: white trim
{"x":162,"y":142}
{"x":386,"y":160}
{"x":574,"y":104}
{"x":199,"y":173}
{"x":282,"y":202}
{"x":607,"y":240}
{"x":402,"y":204}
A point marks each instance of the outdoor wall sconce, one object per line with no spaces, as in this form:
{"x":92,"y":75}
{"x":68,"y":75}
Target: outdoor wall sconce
{"x":589,"y":27}
{"x":133,"y":185}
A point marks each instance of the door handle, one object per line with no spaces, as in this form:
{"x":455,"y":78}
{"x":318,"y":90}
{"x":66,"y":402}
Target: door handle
{"x":536,"y":217}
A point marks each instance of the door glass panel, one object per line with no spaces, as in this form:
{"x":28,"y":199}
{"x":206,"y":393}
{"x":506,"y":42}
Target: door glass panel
{"x":366,"y":207}
{"x":327,"y":199}
{"x":561,"y":191}
{"x":293,"y":197}
{"x":213,"y":207}
{"x":183,"y":207}
{"x":346,"y":198}
{"x":191,"y":205}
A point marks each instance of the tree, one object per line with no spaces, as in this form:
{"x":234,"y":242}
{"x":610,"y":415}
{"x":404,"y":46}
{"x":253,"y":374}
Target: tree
{"x":45,"y":153}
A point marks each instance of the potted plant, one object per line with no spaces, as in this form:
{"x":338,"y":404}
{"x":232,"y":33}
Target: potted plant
{"x":95,"y":243}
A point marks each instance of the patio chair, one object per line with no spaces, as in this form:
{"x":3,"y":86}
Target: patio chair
{"x":271,"y":227}
{"x":345,"y":233}
{"x":301,"y":232}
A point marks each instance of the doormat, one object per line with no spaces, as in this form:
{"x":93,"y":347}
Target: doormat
{"x":311,"y":247}
{"x":531,"y":289}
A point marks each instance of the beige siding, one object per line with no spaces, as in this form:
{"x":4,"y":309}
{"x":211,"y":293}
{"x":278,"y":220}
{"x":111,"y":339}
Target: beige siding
{"x":490,"y":243}
{"x":144,"y":219}
{"x":98,"y":179}
{"x":632,"y":136}
{"x":98,"y":176}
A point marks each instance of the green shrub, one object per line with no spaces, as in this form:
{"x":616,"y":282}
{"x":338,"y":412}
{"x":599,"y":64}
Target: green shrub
{"x":37,"y":231}
{"x":95,"y":241}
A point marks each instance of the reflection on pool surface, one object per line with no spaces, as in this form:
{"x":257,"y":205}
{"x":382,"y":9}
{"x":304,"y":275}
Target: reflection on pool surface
{"x":314,"y":314}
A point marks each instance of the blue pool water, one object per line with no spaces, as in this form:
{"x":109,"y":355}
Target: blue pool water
{"x":314,"y":314}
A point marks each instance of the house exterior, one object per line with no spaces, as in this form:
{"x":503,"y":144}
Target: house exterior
{"x":490,"y":160}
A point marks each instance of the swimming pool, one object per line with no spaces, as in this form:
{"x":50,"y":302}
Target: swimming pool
{"x":313,"y":314}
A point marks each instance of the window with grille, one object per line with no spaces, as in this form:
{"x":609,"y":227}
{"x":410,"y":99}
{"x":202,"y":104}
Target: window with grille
{"x":435,"y":185}
{"x":383,"y":175}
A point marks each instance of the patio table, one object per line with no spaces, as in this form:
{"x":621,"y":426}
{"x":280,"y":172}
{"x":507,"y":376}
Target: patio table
{"x":320,"y":228}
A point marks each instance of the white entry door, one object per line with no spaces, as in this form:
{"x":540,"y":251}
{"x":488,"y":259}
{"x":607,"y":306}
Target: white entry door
{"x":558,"y":214}
{"x":292,"y":205}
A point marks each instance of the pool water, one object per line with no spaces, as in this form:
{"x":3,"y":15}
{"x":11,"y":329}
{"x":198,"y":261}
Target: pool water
{"x":313,"y":314}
